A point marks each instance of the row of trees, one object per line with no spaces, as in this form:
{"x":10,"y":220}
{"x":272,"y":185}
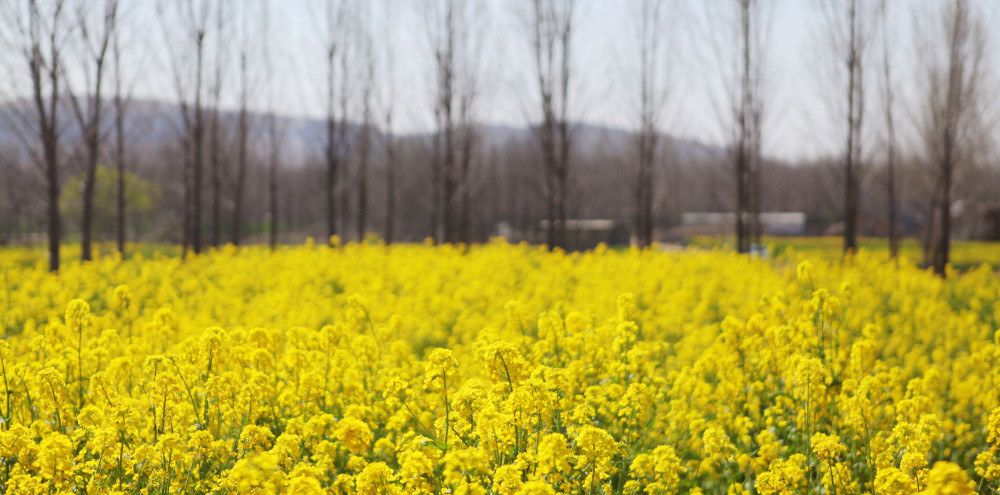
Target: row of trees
{"x":43,"y":33}
{"x":70,"y":51}
{"x":192,"y":29}
{"x":949,"y":117}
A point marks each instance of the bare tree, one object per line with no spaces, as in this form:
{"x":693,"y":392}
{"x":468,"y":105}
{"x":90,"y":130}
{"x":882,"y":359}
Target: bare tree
{"x":888,"y":108}
{"x":121,"y":101}
{"x":190,"y":20}
{"x":849,"y":34}
{"x":215,"y":150}
{"x":470,"y":66}
{"x":443,"y":18}
{"x":739,"y":101}
{"x":273,"y":131}
{"x":457,"y":57}
{"x":389,"y":137}
{"x":39,"y":39}
{"x":650,"y":15}
{"x":467,"y":139}
{"x":95,"y":35}
{"x":748,"y":108}
{"x":367,"y":117}
{"x":345,"y":148}
{"x":952,"y":126}
{"x":274,"y":159}
{"x":551,"y":28}
{"x":199,"y":23}
{"x":242,"y":132}
{"x":335,"y":10}
{"x":436,"y":174}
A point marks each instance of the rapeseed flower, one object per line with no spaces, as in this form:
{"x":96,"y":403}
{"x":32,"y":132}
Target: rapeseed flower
{"x":496,"y":369}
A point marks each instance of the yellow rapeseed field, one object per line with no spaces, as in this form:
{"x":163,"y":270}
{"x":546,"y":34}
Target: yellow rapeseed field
{"x":496,"y":369}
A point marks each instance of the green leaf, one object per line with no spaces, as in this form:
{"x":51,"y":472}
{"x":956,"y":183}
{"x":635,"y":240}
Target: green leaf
{"x":440,"y":445}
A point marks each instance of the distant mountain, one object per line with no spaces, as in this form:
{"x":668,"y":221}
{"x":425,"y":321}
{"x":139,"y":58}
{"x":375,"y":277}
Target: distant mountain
{"x":152,"y":124}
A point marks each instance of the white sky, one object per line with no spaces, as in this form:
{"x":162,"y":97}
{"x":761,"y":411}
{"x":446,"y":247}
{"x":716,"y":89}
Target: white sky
{"x":799,"y":123}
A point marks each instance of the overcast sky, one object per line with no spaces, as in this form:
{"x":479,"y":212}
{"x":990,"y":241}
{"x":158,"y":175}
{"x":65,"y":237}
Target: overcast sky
{"x":801,"y":119}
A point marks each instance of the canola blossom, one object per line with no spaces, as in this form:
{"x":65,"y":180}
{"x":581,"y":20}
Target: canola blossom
{"x":496,"y":369}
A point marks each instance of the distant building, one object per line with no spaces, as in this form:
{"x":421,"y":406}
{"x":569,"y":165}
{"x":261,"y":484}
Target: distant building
{"x":991,"y":222}
{"x":782,"y":223}
{"x":581,"y":234}
{"x":980,"y":221}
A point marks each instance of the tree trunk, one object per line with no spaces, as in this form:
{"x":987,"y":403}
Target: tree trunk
{"x":47,"y":109}
{"x":465,"y":225}
{"x":929,"y":238}
{"x":331,"y":175}
{"x":241,"y":165}
{"x":550,"y":203}
{"x":853,"y":153}
{"x":560,"y":204}
{"x":955,"y":106}
{"x":52,"y":174}
{"x":390,"y":186}
{"x":120,"y":154}
{"x":648,"y":109}
{"x":273,"y":192}
{"x":756,"y":227}
{"x":89,"y":119}
{"x":186,"y":231}
{"x":241,"y":172}
{"x":93,"y":142}
{"x":215,"y":153}
{"x":756,"y":175}
{"x":941,"y":250}
{"x":890,"y":125}
{"x":851,"y":214}
{"x":551,"y":40}
{"x":199,"y":137}
{"x":891,"y":193}
{"x":364,"y":153}
{"x":742,"y":240}
{"x":435,"y":188}
{"x":448,"y":170}
{"x":465,"y":187}
{"x":640,"y":202}
{"x":448,"y":190}
{"x":88,"y":198}
{"x":272,"y":185}
{"x":743,"y":151}
{"x":551,"y":181}
{"x":331,"y":146}
{"x":644,"y":187}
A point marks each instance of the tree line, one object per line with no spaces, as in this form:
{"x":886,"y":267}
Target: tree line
{"x":72,"y":109}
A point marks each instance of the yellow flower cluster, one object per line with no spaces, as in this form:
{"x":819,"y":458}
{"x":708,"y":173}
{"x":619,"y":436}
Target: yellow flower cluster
{"x":502,"y":369}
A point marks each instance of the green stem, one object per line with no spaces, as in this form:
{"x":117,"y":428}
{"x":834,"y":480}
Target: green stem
{"x":55,"y":402}
{"x":447,"y":408}
{"x":420,"y":423}
{"x":79,"y":361}
{"x":188,"y":388}
{"x":6,"y":388}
